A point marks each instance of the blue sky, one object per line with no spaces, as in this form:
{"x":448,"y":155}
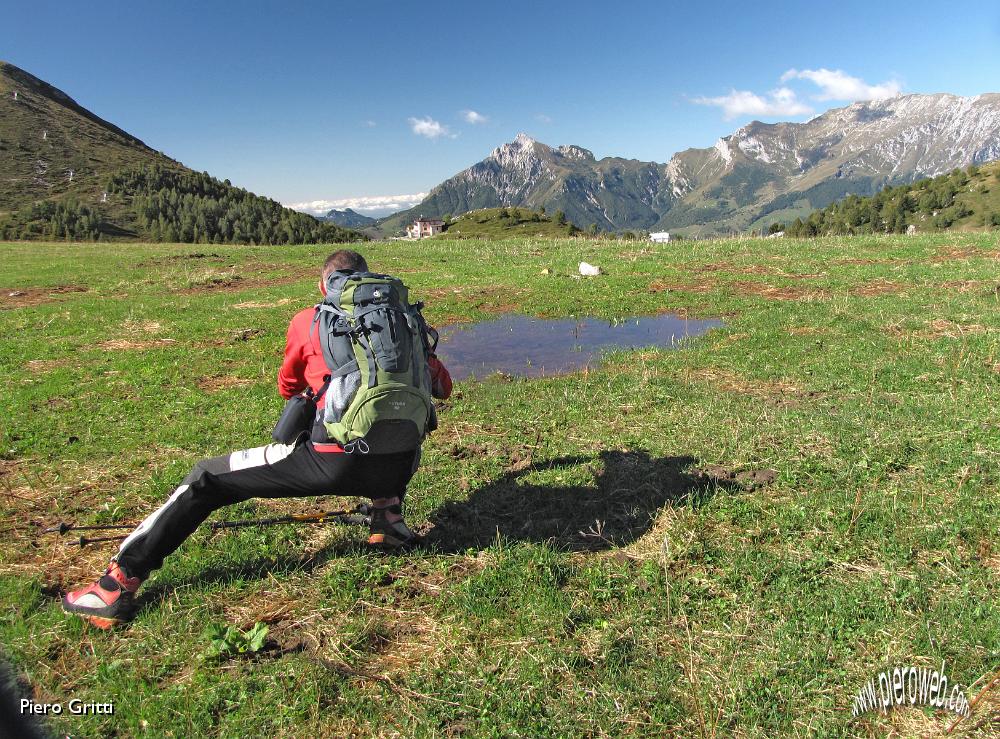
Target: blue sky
{"x":336,"y":102}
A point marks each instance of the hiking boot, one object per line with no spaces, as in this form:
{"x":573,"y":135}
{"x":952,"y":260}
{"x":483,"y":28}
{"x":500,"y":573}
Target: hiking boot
{"x":391,"y":536}
{"x":109,"y":601}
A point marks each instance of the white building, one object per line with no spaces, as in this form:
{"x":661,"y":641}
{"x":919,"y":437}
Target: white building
{"x":424,"y":227}
{"x":660,"y":237}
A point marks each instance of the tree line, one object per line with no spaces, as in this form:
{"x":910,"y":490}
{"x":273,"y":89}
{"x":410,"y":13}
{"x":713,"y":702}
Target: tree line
{"x":156,"y":203}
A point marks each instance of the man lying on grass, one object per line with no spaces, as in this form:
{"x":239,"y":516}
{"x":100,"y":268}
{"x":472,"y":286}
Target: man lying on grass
{"x":367,"y":356}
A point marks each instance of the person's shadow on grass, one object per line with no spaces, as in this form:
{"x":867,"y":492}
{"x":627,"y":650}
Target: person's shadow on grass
{"x":616,"y":509}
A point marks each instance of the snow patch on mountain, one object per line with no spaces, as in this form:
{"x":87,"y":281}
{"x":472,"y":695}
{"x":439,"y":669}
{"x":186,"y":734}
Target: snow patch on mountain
{"x":723,"y":150}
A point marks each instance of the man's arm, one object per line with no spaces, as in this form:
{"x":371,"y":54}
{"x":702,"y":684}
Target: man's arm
{"x":292,"y":375}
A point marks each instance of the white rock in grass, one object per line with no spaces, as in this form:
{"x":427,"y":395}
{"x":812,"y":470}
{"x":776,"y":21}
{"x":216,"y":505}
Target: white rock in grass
{"x":589,"y":270}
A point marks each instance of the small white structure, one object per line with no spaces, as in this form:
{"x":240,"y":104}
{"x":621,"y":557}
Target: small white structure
{"x":104,"y":197}
{"x":423,"y":227}
{"x":45,"y":135}
{"x":15,"y":94}
{"x":660,"y":237}
{"x":71,"y":175}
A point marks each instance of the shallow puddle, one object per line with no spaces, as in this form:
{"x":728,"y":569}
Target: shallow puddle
{"x":534,"y":347}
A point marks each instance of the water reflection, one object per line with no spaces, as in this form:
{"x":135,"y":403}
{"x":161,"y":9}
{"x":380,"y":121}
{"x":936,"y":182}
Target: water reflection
{"x":533,"y":347}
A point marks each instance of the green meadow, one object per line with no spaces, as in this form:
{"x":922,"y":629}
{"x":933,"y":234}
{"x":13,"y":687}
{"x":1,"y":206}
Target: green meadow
{"x":728,"y":539}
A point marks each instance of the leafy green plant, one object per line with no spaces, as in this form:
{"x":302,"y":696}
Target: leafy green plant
{"x":228,"y":640}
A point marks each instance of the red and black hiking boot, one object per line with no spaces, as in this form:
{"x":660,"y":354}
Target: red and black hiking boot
{"x":109,"y":601}
{"x":390,"y":536}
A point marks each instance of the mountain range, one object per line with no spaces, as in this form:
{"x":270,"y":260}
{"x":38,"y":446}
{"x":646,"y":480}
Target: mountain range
{"x":349,"y":218}
{"x":762,"y":173}
{"x":65,"y":172}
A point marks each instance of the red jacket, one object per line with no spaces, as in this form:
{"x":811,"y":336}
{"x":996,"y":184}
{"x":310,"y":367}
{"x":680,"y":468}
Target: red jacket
{"x":304,"y":365}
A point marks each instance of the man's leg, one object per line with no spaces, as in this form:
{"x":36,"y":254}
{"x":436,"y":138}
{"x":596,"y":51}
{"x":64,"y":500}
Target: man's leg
{"x":272,"y":471}
{"x":276,"y":470}
{"x":388,"y":529}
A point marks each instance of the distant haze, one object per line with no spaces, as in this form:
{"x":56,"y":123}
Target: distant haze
{"x":374,"y":207}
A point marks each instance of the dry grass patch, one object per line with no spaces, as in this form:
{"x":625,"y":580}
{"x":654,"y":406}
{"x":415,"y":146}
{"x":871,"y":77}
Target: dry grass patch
{"x":253,"y":304}
{"x":492,"y":299}
{"x":141,"y":327}
{"x":756,"y":269}
{"x":952,"y":253}
{"x":878,"y":286}
{"x":939,"y":328}
{"x":41,"y":366}
{"x":735,"y":383}
{"x":868,"y":262}
{"x":217,"y":383}
{"x":251,"y":275}
{"x":700,"y":287}
{"x":114,"y":345}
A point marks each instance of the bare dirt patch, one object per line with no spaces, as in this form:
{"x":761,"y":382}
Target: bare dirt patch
{"x":24,"y":297}
{"x":218,"y":383}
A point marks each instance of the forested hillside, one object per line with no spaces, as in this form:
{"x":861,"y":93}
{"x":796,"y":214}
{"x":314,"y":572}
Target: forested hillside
{"x":66,"y":173}
{"x":964,"y":199}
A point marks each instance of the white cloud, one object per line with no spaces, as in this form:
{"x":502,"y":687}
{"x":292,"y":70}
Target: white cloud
{"x":780,"y":102}
{"x":370,"y":124}
{"x":429,"y":128}
{"x":363,"y":204}
{"x":835,"y":84}
{"x":471,"y":116}
{"x":542,"y":118}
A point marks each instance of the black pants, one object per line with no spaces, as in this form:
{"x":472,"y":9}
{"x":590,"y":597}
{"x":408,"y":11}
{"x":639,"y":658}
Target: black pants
{"x":272,"y":471}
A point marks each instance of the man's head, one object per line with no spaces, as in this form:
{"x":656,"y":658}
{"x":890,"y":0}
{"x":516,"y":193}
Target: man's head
{"x":343,"y":259}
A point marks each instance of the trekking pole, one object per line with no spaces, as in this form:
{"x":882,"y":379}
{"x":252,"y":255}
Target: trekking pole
{"x":84,"y":541}
{"x":63,"y":527}
{"x":360,"y":514}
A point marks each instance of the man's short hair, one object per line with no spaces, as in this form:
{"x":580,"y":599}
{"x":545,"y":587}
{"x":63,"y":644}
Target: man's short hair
{"x":344,"y":259}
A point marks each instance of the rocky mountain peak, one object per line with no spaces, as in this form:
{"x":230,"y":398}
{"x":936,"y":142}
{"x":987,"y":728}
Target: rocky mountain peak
{"x":575,"y":152}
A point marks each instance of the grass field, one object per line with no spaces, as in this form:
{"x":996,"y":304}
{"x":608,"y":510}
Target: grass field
{"x":596,"y":564}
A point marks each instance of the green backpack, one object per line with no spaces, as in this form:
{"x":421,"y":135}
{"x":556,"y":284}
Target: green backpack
{"x":376,"y":345}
